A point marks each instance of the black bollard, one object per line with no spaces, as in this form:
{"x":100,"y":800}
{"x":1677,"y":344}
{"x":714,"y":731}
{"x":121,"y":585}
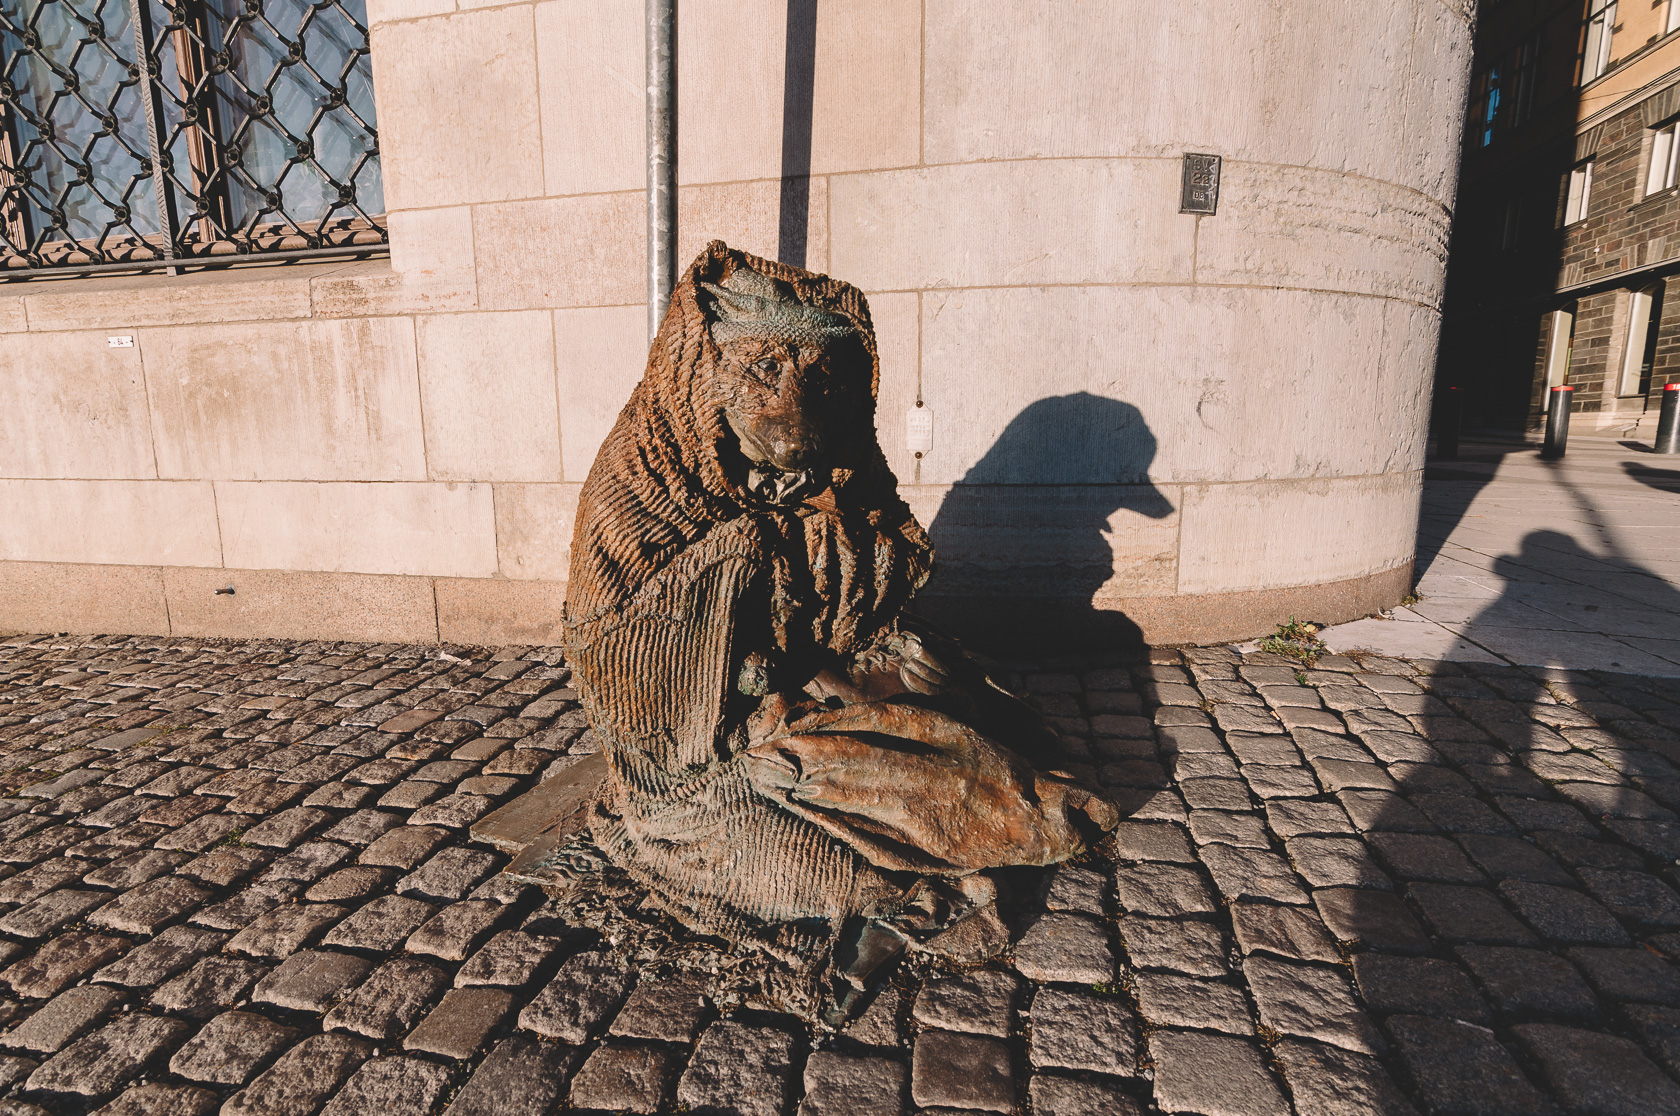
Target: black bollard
{"x":1668,"y":422}
{"x":1447,"y":422}
{"x":1557,"y":423}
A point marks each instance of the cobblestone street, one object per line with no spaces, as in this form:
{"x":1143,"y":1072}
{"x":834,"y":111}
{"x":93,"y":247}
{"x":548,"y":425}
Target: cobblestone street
{"x":239,"y":877}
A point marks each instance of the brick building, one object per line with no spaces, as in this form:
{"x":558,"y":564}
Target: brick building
{"x":1568,"y":228}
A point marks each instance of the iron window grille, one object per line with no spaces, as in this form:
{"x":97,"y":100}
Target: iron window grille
{"x":246,"y":127}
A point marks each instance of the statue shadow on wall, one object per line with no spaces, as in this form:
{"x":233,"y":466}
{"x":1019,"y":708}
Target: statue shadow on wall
{"x":1018,"y":563}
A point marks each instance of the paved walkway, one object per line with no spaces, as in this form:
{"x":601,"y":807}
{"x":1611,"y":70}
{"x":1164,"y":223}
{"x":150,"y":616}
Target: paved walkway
{"x":237,"y":877}
{"x":1573,"y":564}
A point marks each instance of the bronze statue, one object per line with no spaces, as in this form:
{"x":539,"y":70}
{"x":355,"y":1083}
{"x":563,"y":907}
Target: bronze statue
{"x":792,"y":757}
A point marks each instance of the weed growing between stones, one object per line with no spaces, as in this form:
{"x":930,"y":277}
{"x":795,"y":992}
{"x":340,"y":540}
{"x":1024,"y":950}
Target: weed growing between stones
{"x":1295,"y":640}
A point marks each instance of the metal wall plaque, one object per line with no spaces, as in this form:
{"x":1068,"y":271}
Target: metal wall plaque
{"x":1200,"y":190}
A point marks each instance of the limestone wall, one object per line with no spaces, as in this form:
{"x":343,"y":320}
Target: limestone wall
{"x":1209,"y":422}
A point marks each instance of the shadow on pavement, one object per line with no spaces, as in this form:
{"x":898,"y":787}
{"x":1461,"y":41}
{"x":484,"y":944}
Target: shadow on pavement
{"x":1021,"y":566}
{"x":1664,"y":480}
{"x":1455,"y":484}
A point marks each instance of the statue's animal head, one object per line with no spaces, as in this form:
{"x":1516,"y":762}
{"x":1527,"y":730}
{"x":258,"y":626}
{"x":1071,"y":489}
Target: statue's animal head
{"x":793,"y":386}
{"x":757,"y":407}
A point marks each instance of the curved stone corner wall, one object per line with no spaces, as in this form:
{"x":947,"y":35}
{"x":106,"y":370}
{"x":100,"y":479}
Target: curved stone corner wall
{"x":1143,"y":422}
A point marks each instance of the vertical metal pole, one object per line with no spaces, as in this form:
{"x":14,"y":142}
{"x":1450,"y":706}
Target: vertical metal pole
{"x":1668,"y":420}
{"x":154,"y":111}
{"x":1557,"y":423}
{"x":661,"y":158}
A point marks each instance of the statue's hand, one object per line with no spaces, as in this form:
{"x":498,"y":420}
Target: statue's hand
{"x":920,"y":669}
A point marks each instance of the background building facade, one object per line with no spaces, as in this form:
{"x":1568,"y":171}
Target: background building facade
{"x":1568,"y":228}
{"x":1204,"y":424}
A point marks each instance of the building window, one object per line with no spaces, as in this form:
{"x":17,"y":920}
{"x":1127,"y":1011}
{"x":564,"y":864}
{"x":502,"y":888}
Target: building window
{"x":254,"y":132}
{"x":1601,"y":22}
{"x":1640,"y":353}
{"x":1673,"y":21}
{"x":1579,"y":194}
{"x":1660,"y":176}
{"x":1524,"y":80}
{"x":1512,"y":225}
{"x":1560,"y":346}
{"x":1484,"y":106}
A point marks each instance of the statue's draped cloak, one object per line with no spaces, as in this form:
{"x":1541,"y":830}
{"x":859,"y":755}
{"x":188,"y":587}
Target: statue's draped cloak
{"x":676,"y":574}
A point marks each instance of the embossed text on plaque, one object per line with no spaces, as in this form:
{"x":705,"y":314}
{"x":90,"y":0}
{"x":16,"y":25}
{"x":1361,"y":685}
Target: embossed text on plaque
{"x":1200,"y":190}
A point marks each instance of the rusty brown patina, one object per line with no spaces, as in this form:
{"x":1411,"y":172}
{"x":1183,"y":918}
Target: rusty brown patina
{"x":791,"y":755}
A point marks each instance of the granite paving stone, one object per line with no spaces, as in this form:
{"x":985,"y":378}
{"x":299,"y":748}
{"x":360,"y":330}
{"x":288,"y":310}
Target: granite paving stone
{"x":1632,"y":974}
{"x":843,"y":1085}
{"x":1213,"y":1074}
{"x":389,"y":1002}
{"x":303,"y":1077}
{"x":154,"y":962}
{"x":1460,"y":1069}
{"x":1467,"y":914}
{"x":1310,"y":1001}
{"x":1162,"y":890}
{"x":150,"y":907}
{"x":212,"y":985}
{"x":62,"y":1019}
{"x":1418,"y":856}
{"x":1635,"y":896}
{"x":1417,"y":986}
{"x":311,"y":980}
{"x":284,"y":930}
{"x":1067,"y":948}
{"x":61,"y":962}
{"x":579,"y":1000}
{"x":1294,"y":932}
{"x":1599,"y":1073}
{"x":1185,"y":945}
{"x":1513,"y":858}
{"x":461,"y":1022}
{"x":232,"y":1048}
{"x":381,"y":924}
{"x":1563,"y":914}
{"x":1066,"y":1096}
{"x":749,"y":1069}
{"x":960,"y":1071}
{"x":1330,"y":1081}
{"x":101,"y":1063}
{"x":1252,"y":874}
{"x":348,"y":884}
{"x":520,"y":1077}
{"x":403,"y":847}
{"x":981,"y":1003}
{"x":153,"y":1098}
{"x":391,"y":1086}
{"x":42,"y":916}
{"x":1335,"y":862}
{"x":1210,"y":827}
{"x":1171,"y":1000}
{"x":1078,"y":1030}
{"x":452,"y":933}
{"x":670,"y":1010}
{"x":619,"y":1077}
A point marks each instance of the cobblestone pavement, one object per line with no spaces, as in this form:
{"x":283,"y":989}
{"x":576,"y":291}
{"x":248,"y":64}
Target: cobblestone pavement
{"x":238,"y":877}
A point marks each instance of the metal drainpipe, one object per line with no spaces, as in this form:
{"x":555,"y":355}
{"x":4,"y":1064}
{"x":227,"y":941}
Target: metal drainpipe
{"x":661,"y":158}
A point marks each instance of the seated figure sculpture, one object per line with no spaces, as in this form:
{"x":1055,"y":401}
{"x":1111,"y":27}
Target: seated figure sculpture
{"x":791,"y":757}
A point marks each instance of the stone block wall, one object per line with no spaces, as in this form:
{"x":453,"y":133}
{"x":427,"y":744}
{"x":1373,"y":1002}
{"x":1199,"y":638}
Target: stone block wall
{"x":1206,"y":423}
